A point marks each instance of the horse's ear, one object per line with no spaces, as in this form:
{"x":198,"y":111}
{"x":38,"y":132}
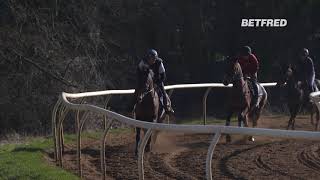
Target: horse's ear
{"x":234,"y":60}
{"x":284,"y":65}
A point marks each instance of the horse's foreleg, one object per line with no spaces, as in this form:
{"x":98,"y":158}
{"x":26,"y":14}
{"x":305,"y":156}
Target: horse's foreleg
{"x":229,"y":115}
{"x":62,"y":139}
{"x":228,"y":120}
{"x":243,"y":117}
{"x":148,"y":146}
{"x":154,"y":137}
{"x":137,"y":140}
{"x":256,"y":118}
{"x":314,"y":110}
{"x":290,"y":122}
{"x":311,"y":116}
{"x":317,"y":119}
{"x":293,"y":114}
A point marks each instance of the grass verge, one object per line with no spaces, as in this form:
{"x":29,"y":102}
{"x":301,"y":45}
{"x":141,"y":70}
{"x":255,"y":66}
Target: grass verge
{"x":27,"y":161}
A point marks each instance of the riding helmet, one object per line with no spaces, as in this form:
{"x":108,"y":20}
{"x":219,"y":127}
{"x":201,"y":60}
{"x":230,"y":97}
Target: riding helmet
{"x":152,"y":53}
{"x":245,"y":50}
{"x":305,"y":51}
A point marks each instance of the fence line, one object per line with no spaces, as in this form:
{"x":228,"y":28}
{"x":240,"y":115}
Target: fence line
{"x":65,"y":106}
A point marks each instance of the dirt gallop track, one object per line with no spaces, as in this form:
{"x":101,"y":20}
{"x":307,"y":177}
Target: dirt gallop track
{"x":182,"y":156}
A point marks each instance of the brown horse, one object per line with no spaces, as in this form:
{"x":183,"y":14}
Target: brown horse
{"x":148,"y":106}
{"x":241,"y":97}
{"x":297,"y":95}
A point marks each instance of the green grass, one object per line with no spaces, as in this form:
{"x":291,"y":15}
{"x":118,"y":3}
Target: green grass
{"x":26,"y":161}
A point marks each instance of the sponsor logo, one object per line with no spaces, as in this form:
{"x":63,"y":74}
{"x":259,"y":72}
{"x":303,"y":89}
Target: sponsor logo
{"x":264,"y":23}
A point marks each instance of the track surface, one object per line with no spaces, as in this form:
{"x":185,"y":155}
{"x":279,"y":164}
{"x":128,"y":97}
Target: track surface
{"x":181,"y":156}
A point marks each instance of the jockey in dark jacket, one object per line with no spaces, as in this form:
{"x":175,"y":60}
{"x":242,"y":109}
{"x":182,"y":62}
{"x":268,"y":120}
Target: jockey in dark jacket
{"x":250,"y":66}
{"x":153,"y":62}
{"x":306,"y":71}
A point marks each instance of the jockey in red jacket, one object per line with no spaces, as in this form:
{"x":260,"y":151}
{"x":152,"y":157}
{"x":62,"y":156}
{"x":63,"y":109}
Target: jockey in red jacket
{"x":249,"y":63}
{"x":250,"y":66}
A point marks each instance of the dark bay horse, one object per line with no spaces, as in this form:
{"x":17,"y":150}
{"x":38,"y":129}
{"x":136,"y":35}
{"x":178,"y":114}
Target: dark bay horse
{"x":148,"y":106}
{"x":296,"y":95}
{"x":240,"y":99}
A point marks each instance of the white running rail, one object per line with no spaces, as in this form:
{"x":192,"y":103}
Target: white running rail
{"x":63,"y":105}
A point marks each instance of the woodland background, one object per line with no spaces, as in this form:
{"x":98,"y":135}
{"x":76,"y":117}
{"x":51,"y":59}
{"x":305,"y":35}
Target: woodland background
{"x":50,"y":46}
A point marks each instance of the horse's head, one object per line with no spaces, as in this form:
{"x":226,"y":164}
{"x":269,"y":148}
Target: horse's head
{"x":145,"y":84}
{"x":286,"y":72}
{"x":233,"y":71}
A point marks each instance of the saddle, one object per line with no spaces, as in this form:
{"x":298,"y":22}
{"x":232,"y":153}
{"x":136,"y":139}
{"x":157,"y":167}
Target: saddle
{"x":307,"y":90}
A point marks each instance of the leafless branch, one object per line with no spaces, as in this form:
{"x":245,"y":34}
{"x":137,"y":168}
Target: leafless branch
{"x":50,"y":74}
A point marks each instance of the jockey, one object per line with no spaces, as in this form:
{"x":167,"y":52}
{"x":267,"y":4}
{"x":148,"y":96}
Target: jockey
{"x":306,"y":71}
{"x":153,"y":62}
{"x":250,"y":65}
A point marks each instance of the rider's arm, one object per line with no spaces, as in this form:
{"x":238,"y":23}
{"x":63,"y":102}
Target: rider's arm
{"x":309,"y":66}
{"x":162,"y":72}
{"x":162,"y":77}
{"x":254,"y":64}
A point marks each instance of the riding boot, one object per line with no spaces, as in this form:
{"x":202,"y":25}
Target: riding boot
{"x":166,"y":107}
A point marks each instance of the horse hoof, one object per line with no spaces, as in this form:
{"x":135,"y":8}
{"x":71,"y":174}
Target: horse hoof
{"x":228,"y":139}
{"x":135,"y":157}
{"x":251,"y":139}
{"x":147,"y":149}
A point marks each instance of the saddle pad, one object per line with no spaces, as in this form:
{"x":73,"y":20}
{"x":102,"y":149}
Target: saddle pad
{"x":260,"y":90}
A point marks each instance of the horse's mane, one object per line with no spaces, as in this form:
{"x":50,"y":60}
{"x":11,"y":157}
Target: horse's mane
{"x":290,"y":70}
{"x":145,"y":77}
{"x":237,"y":67}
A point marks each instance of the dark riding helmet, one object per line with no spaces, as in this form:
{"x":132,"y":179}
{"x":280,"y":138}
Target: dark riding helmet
{"x":152,"y":53}
{"x":305,"y":52}
{"x":245,"y":50}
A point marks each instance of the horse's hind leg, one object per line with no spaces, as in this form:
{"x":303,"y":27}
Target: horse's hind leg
{"x":317,"y":119}
{"x":137,"y":140}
